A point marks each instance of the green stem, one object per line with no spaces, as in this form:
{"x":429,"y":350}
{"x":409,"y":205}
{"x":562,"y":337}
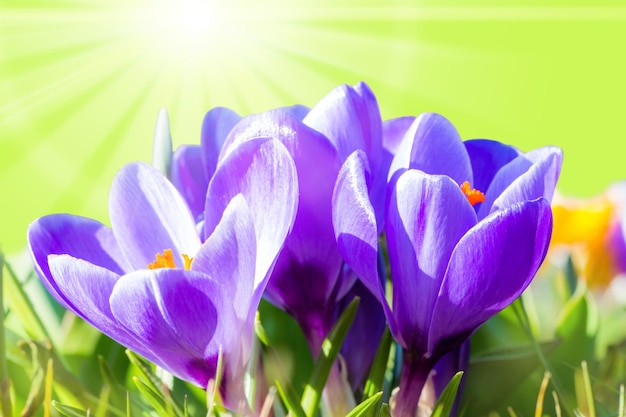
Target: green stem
{"x":522,"y":317}
{"x":5,"y":382}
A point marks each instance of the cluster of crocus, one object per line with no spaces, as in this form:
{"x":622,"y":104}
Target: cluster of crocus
{"x":292,"y":205}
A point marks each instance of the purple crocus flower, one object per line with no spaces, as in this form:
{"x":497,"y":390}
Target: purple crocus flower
{"x":307,"y":280}
{"x":194,"y":165}
{"x":180,"y":308}
{"x":453,"y":265}
{"x":307,"y":268}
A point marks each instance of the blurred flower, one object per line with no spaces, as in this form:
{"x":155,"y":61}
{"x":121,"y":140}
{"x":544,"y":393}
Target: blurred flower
{"x":592,"y":230}
{"x":193,"y":299}
{"x":453,"y":265}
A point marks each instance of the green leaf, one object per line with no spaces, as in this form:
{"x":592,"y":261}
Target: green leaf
{"x":36,"y":394}
{"x":213,"y":388}
{"x":5,"y":382}
{"x":290,"y":400}
{"x":68,"y":388}
{"x":145,"y":370}
{"x":330,"y":349}
{"x":155,"y":398}
{"x":68,"y":411}
{"x":153,"y":388}
{"x":376,"y":377}
{"x":162,"y":145}
{"x":571,"y":277}
{"x":445,"y":402}
{"x":577,"y":328}
{"x":112,"y":394}
{"x":20,"y":305}
{"x":259,"y":330}
{"x":367,"y":408}
{"x":499,"y":372}
{"x":384,"y":410}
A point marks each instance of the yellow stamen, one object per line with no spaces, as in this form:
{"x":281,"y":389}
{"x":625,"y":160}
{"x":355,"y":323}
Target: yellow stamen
{"x":187,"y":260}
{"x":473,"y":196}
{"x":166,"y":260}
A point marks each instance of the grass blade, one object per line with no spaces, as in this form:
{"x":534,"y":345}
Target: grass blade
{"x":330,"y":348}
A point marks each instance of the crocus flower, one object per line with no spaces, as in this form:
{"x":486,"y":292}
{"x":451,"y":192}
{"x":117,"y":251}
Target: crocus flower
{"x":180,"y":307}
{"x":457,"y":255}
{"x":592,"y":230}
{"x":194,"y":165}
{"x":307,"y":281}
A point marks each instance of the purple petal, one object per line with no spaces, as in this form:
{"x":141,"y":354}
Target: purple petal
{"x":88,"y":287}
{"x":445,"y":369}
{"x":77,"y":236}
{"x":616,"y":241}
{"x":433,"y":145}
{"x":350,"y":118}
{"x":527,"y":177}
{"x":187,"y":173}
{"x":148,"y":216}
{"x":361,"y":343}
{"x":427,"y":216}
{"x":490,"y":267}
{"x":393,"y":132}
{"x":297,"y":110}
{"x":182,"y":315}
{"x":263,"y":171}
{"x":355,"y":223}
{"x":487,"y":157}
{"x":229,"y":256}
{"x":217,"y":124}
{"x":278,"y":124}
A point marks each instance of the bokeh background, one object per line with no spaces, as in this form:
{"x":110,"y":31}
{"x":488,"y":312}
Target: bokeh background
{"x":82,"y":81}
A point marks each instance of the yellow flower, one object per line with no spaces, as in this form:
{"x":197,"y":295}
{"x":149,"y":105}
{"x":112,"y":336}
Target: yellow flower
{"x":591,"y":230}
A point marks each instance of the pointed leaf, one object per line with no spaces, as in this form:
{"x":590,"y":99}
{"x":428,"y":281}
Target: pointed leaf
{"x":485,"y":374}
{"x":162,"y":145}
{"x":146,"y":373}
{"x":367,"y":408}
{"x":5,"y":381}
{"x":577,"y":329}
{"x":330,"y":349}
{"x":290,"y":400}
{"x":69,"y":411}
{"x":116,"y":392}
{"x":376,"y":377}
{"x":445,"y":402}
{"x":21,"y":305}
{"x":155,"y":398}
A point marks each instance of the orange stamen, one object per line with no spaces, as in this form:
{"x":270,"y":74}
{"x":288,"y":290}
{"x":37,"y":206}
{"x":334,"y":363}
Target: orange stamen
{"x":166,"y":260}
{"x":473,"y":196}
{"x":163,"y":261}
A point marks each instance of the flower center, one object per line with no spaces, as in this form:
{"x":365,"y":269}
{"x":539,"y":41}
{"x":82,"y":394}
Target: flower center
{"x":166,"y":260}
{"x":473,"y":195}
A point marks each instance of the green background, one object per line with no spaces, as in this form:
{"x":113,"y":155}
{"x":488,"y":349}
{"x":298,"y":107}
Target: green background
{"x":81,"y":82}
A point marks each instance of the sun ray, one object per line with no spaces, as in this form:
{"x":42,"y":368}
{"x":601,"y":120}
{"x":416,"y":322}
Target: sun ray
{"x":81,"y":81}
